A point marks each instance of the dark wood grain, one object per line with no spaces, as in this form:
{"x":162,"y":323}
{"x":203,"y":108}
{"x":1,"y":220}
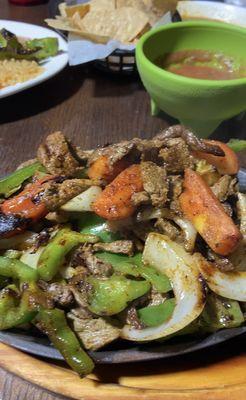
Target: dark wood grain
{"x":91,"y":108}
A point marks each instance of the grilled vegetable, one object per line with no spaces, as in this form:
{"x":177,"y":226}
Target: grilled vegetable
{"x":36,"y":49}
{"x":171,"y":259}
{"x":11,"y":183}
{"x":231,"y":284}
{"x":219,"y":313}
{"x":53,"y":255}
{"x":157,"y":315}
{"x":114,"y":203}
{"x":111,"y":296}
{"x":53,"y":323}
{"x":208,"y":216}
{"x":42,"y":48}
{"x":15,"y":269}
{"x":134,"y":266}
{"x":15,"y":311}
{"x":228,"y":164}
{"x":92,"y":224}
{"x":17,"y":308}
{"x":84,"y":201}
{"x":27,"y":204}
{"x":101,"y":169}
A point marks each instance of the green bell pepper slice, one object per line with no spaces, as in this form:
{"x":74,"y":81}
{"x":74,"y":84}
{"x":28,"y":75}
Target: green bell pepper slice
{"x":219,"y":313}
{"x":45,"y":47}
{"x":15,"y":311}
{"x":92,"y":224}
{"x":111,"y":296}
{"x":15,"y":269}
{"x":53,"y":256}
{"x":11,"y":183}
{"x":54,"y":324}
{"x":134,"y":266}
{"x":156,"y":315}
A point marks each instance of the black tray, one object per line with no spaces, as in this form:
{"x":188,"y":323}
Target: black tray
{"x":124,"y":352}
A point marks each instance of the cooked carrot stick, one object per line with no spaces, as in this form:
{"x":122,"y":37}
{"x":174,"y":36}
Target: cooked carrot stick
{"x":101,"y":169}
{"x":25,"y":204}
{"x":208,"y":216}
{"x":114,"y":203}
{"x":228,"y":164}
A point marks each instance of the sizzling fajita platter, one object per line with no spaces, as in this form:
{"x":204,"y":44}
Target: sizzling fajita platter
{"x":132,"y":251}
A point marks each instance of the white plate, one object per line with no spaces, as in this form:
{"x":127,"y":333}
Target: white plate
{"x":212,"y":10}
{"x":53,"y":64}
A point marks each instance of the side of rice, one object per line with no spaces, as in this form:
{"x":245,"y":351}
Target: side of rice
{"x":17,"y":71}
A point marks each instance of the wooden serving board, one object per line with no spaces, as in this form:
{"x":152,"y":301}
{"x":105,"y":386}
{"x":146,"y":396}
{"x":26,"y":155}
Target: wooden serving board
{"x":219,"y":379}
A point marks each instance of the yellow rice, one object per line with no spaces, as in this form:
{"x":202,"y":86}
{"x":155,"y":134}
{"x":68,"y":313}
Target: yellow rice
{"x":16,"y":71}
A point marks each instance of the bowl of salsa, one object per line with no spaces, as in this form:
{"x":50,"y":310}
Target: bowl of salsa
{"x":195,"y":71}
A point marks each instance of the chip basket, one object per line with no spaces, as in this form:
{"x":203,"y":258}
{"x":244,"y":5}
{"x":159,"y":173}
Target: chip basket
{"x":122,"y":62}
{"x":119,"y":62}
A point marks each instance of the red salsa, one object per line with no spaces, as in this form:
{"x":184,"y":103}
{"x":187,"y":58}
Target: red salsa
{"x":202,"y":64}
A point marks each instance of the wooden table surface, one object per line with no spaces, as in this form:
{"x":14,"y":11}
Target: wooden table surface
{"x":91,"y":108}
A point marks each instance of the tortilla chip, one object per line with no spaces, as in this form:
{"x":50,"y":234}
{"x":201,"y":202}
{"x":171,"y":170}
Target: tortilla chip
{"x":67,"y":26}
{"x":93,"y":35}
{"x":130,"y":23}
{"x":100,"y":21}
{"x":81,"y":9}
{"x":122,"y":24}
{"x":102,"y":5}
{"x":157,"y":8}
{"x":138,"y":4}
{"x":62,"y":9}
{"x":60,"y":23}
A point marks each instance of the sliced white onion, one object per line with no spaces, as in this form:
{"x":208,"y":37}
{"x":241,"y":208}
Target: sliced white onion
{"x":152,"y":213}
{"x":238,"y":257}
{"x":84,"y":201}
{"x":186,"y":226}
{"x":231,"y":284}
{"x":189,"y":232}
{"x":31,"y":257}
{"x":172,"y":260}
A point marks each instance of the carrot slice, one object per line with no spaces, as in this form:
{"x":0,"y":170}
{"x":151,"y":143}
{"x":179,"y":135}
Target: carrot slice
{"x":114,"y":203}
{"x":101,"y":169}
{"x":228,"y":164}
{"x":207,"y":214}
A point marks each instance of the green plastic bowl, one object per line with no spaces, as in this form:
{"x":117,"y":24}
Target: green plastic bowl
{"x":198,"y":103}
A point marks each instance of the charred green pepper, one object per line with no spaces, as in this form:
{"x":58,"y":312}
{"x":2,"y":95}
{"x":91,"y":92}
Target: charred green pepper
{"x":157,"y":314}
{"x":134,"y":266}
{"x":15,"y":269}
{"x":55,"y":252}
{"x":19,"y":306}
{"x":219,"y":313}
{"x":54,"y":324}
{"x":16,"y":310}
{"x":11,"y":183}
{"x":35,"y":49}
{"x":111,"y":296}
{"x":92,"y":224}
